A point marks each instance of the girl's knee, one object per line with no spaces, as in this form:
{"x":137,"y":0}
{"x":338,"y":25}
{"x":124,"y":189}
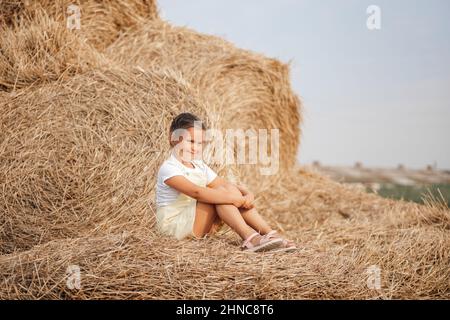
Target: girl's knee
{"x":221,"y":187}
{"x":229,"y":188}
{"x":233,"y":189}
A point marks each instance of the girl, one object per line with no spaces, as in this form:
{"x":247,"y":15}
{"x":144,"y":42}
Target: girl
{"x":193,"y":201}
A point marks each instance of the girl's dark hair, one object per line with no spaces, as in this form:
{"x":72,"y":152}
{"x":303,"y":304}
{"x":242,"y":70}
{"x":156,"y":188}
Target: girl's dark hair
{"x":185,"y":120}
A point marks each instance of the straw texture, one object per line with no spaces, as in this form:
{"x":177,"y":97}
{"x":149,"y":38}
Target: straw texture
{"x":83,"y":130}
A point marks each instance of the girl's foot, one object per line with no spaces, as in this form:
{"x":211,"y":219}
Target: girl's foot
{"x":286,"y":245}
{"x":258,"y":243}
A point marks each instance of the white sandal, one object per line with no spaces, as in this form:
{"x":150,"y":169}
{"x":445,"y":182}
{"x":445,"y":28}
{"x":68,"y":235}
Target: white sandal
{"x":265,"y":244}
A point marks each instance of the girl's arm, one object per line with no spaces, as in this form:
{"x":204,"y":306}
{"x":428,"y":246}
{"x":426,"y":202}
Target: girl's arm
{"x":249,"y":197}
{"x":204,"y":194}
{"x":243,"y":189}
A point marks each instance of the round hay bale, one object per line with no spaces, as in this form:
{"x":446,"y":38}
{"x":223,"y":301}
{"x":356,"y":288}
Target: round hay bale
{"x":42,"y":52}
{"x":81,"y":156}
{"x":101,"y":21}
{"x":241,"y":89}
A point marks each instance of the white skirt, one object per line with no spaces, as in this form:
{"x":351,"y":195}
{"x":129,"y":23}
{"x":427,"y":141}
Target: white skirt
{"x":177,"y":219}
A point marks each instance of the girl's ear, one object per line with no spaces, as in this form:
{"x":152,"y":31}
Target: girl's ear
{"x":171,"y":142}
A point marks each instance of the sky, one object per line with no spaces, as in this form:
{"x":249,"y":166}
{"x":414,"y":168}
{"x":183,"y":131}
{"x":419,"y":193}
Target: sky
{"x":380,"y":97}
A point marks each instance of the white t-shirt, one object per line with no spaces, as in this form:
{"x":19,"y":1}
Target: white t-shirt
{"x":173,"y":167}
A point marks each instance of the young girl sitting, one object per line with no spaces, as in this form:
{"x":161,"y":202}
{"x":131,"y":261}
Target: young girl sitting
{"x":193,"y":201}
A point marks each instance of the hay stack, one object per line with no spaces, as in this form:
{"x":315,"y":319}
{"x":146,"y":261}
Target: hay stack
{"x":81,"y":139}
{"x":101,"y":21}
{"x":42,"y":52}
{"x":78,"y":180}
{"x":36,"y":46}
{"x":81,"y":156}
{"x":242,"y":89}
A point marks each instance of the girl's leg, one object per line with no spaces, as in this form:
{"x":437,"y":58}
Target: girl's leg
{"x":251,"y":216}
{"x":207,"y":215}
{"x":232,"y":217}
{"x":254,"y":219}
{"x":205,"y":218}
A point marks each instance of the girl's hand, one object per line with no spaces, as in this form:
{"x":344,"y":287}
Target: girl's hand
{"x":239,"y":201}
{"x":249,"y":201}
{"x":248,"y":194}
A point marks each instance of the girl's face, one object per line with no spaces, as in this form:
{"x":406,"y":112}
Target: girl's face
{"x":191,"y":145}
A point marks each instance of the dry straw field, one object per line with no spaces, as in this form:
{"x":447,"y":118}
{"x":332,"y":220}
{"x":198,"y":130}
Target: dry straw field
{"x":83,"y":130}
